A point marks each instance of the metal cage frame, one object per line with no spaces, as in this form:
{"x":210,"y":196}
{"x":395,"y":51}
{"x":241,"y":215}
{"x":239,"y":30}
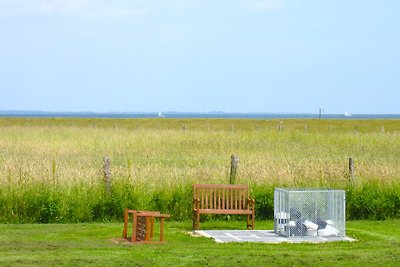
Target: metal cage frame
{"x":309,"y":212}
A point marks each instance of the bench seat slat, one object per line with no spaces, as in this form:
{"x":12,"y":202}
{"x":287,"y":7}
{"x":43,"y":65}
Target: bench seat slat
{"x":212,"y":211}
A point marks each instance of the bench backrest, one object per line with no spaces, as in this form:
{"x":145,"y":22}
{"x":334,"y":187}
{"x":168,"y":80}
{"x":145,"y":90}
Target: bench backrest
{"x":221,"y":197}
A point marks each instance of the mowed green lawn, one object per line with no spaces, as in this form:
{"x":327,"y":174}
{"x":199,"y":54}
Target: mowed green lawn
{"x":98,"y":244}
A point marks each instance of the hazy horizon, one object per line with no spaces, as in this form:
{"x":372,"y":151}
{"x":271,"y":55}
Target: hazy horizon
{"x":179,"y":112}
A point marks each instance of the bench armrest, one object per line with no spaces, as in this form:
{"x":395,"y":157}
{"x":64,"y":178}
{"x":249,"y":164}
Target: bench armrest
{"x":196,"y":203}
{"x":250,"y":203}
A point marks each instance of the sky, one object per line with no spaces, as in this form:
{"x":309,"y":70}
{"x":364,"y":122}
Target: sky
{"x":200,"y":56}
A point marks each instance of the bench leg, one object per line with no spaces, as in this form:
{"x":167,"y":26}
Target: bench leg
{"x":252,"y":221}
{"x":196,"y":220}
{"x":134,"y":227}
{"x":125,"y":230}
{"x":148,"y":228}
{"x":152,"y":219}
{"x":162,"y":229}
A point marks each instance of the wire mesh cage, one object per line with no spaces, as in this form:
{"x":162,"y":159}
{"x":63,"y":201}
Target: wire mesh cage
{"x":309,"y":212}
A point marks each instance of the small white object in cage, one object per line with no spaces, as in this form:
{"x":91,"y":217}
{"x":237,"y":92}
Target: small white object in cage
{"x":329,"y":222}
{"x":329,"y":230}
{"x":292,"y":223}
{"x":310,"y":225}
{"x":312,"y":232}
{"x":282,"y":215}
{"x":282,"y":219}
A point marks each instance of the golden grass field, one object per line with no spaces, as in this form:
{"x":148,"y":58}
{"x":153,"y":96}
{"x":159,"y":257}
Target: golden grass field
{"x":163,"y":152}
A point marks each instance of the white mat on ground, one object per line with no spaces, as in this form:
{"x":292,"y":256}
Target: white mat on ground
{"x":264,"y":236}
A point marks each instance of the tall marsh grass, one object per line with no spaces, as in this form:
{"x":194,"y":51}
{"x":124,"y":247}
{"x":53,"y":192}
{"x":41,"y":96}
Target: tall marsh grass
{"x":51,"y":169}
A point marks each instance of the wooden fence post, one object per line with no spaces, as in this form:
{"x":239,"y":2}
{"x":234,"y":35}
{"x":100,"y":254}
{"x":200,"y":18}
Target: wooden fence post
{"x":280,"y":126}
{"x":351,"y":169}
{"x":107,"y":174}
{"x":234,"y":165}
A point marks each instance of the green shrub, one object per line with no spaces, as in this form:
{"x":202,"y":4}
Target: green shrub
{"x":375,"y":201}
{"x":38,"y":204}
{"x":264,"y":206}
{"x":180,"y":204}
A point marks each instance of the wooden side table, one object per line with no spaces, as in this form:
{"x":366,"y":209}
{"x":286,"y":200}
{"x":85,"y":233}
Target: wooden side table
{"x":143,"y":225}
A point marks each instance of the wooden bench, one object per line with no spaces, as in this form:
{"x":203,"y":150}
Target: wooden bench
{"x":222,"y":199}
{"x":143,"y":225}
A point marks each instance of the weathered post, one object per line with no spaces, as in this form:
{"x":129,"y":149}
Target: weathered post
{"x":351,"y":169}
{"x":129,"y":168}
{"x":107,"y":174}
{"x":280,"y":126}
{"x":234,"y":165}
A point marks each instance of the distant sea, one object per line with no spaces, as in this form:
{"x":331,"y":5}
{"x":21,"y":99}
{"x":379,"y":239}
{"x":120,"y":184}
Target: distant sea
{"x":191,"y":115}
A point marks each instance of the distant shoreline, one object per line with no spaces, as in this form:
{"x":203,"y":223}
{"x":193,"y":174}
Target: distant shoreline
{"x":190,"y":115}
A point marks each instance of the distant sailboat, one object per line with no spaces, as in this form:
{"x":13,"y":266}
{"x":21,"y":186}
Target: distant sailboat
{"x":160,"y":115}
{"x":346,"y":114}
